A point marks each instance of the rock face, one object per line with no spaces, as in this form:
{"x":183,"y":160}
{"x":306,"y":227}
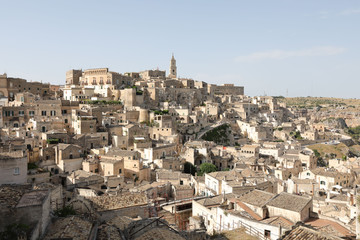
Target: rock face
{"x":336,"y":123}
{"x":352,"y":122}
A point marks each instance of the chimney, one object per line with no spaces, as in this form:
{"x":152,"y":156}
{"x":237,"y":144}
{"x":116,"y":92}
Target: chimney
{"x":223,"y":197}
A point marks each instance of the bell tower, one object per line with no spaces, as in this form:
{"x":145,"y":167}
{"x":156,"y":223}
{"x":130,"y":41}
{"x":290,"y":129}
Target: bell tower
{"x":172,"y":69}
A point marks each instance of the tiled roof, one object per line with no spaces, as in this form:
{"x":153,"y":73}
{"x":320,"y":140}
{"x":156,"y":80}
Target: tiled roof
{"x":275,"y":221}
{"x":304,"y":233}
{"x":228,"y":175}
{"x":216,"y":200}
{"x":121,"y":153}
{"x":72,"y":227}
{"x":249,"y":211}
{"x":63,"y":146}
{"x":256,"y":198}
{"x":327,"y":172}
{"x":159,"y":234}
{"x":289,"y":202}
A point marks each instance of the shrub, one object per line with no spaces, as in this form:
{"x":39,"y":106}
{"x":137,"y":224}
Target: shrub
{"x":65,"y":211}
{"x":207,"y":168}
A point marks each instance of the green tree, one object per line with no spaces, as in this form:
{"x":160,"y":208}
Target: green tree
{"x":189,"y":168}
{"x":206,"y":168}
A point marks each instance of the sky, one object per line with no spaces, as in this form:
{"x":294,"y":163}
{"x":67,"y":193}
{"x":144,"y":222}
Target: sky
{"x":279,"y":47}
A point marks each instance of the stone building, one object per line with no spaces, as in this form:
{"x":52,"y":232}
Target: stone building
{"x":10,"y":86}
{"x":73,"y":77}
{"x":228,"y":89}
{"x":13,"y":168}
{"x":148,"y":74}
{"x":293,"y":207}
{"x":68,"y":157}
{"x":102,"y":76}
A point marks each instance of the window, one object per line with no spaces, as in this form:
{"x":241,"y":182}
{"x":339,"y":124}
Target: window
{"x":43,"y":113}
{"x":267,"y":234}
{"x":21,"y":113}
{"x":52,"y":113}
{"x":16,"y":171}
{"x":66,"y":121}
{"x":322,"y":182}
{"x":31,"y":113}
{"x":120,"y":171}
{"x":308,"y":174}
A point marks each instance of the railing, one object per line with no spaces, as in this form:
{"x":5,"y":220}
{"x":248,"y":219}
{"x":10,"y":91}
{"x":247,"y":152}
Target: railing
{"x":248,"y":229}
{"x":253,"y":232}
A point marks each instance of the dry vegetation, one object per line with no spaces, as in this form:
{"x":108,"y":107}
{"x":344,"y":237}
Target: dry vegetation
{"x":339,"y":150}
{"x":310,"y":102}
{"x":234,"y":234}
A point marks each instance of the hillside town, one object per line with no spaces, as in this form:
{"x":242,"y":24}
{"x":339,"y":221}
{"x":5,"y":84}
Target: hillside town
{"x":150,"y":155}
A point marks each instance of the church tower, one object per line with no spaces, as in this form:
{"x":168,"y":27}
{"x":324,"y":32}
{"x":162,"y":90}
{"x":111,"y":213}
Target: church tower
{"x":172,"y":70}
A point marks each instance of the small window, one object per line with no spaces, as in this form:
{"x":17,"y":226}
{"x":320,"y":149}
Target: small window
{"x":16,"y":171}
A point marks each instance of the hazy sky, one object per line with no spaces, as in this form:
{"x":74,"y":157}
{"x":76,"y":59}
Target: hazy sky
{"x":305,"y":48}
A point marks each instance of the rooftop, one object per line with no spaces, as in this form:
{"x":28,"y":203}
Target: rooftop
{"x":304,"y":233}
{"x":34,"y":198}
{"x":120,"y":201}
{"x":227,"y":175}
{"x":278,"y":220}
{"x":289,"y":202}
{"x":216,"y":200}
{"x":72,"y":227}
{"x":256,"y":197}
